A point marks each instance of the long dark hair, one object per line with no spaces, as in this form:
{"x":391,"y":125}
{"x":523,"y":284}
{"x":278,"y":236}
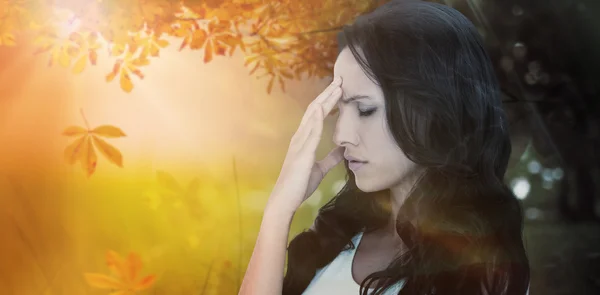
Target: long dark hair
{"x":461,"y":223}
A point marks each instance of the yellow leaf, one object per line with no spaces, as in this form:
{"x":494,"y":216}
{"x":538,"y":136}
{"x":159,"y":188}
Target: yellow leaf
{"x":64,"y":59}
{"x":103,"y":281}
{"x":109,"y":151}
{"x":73,"y":151}
{"x":126,"y":83}
{"x":141,"y":61}
{"x":108,"y":131}
{"x":162,"y":43}
{"x":80,"y":64}
{"x":168,"y":181}
{"x":89,"y":159}
{"x":117,"y":50}
{"x":74,"y":130}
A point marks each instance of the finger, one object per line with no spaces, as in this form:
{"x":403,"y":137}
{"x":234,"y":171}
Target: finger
{"x":331,"y":101}
{"x":337,"y":83}
{"x":303,"y":132}
{"x":314,"y":136}
{"x":334,"y":157}
{"x":320,"y":98}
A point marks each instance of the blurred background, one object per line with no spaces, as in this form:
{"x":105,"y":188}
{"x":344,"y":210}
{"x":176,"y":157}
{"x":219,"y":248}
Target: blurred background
{"x":139,"y":140}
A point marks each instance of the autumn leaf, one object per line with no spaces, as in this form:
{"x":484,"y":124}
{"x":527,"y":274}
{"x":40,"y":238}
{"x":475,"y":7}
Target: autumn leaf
{"x":187,"y":195}
{"x":150,"y":45}
{"x":83,"y":149}
{"x":125,"y":275}
{"x":88,"y":46}
{"x":282,"y":39}
{"x":126,"y":66}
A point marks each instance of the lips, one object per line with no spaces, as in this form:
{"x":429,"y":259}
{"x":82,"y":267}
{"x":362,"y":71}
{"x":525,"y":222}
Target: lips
{"x":354,"y":163}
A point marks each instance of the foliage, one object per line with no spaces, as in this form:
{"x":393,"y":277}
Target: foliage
{"x":83,"y":149}
{"x":281,"y":40}
{"x":125,"y":278}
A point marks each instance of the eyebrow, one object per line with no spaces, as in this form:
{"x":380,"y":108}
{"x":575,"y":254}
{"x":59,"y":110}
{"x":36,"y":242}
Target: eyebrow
{"x":354,"y":97}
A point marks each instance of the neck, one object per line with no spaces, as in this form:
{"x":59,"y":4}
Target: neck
{"x":398,"y":195}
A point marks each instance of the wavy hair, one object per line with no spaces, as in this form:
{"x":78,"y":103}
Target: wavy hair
{"x":461,"y":223}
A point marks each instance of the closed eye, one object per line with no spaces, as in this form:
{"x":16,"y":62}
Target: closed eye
{"x":367,"y":112}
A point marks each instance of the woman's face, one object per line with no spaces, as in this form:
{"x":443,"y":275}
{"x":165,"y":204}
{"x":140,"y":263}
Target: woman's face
{"x":363,"y":130}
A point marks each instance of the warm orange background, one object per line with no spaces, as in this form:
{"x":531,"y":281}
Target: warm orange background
{"x":186,"y":118}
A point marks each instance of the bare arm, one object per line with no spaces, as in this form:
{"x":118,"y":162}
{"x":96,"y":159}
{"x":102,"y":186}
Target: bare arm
{"x":264,"y":275}
{"x":299,"y":178}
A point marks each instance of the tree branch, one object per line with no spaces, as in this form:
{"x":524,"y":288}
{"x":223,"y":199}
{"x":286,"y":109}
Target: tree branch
{"x":338,"y":28}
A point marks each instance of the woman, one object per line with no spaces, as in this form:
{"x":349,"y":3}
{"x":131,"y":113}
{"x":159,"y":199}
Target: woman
{"x":423,"y":136}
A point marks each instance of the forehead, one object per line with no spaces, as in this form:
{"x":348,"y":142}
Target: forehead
{"x":355,"y":81}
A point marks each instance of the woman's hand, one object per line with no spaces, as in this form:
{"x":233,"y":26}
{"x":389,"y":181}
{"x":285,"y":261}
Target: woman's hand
{"x":301,"y":175}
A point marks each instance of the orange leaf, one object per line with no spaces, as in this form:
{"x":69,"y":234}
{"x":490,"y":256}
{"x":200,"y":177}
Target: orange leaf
{"x":185,"y":42}
{"x":108,"y":131}
{"x":74,"y":130}
{"x":103,"y":281}
{"x":115,"y":71}
{"x":109,"y":151}
{"x":145,"y":282}
{"x":208,"y":51}
{"x":134,"y":265}
{"x":116,"y":264}
{"x":93,"y":57}
{"x":198,"y":39}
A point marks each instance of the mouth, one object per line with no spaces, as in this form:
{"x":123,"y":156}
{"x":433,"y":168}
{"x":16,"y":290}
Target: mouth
{"x":355,"y":165}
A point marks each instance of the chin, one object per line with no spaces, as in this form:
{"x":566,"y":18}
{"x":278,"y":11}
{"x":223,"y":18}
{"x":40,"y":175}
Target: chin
{"x":368,"y":186}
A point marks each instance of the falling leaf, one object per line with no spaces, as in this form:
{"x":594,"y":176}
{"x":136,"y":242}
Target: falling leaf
{"x":83,"y":149}
{"x":109,"y":151}
{"x":108,"y":131}
{"x":125,"y":275}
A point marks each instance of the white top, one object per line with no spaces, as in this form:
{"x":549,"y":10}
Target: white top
{"x":336,"y":277}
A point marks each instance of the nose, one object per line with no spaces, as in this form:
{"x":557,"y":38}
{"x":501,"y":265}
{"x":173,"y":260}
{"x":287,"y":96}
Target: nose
{"x":345,"y":131}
